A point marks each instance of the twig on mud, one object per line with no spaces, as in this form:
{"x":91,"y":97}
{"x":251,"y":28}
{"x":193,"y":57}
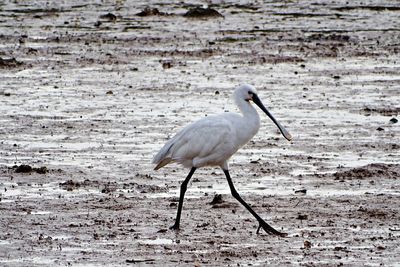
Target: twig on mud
{"x":138,"y":261}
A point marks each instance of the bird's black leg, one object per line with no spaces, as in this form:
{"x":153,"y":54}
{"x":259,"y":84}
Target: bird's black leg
{"x":181,"y":197}
{"x":267,"y":228}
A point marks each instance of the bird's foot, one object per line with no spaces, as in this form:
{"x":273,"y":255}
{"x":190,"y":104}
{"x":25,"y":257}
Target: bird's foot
{"x":175,"y":227}
{"x":269,"y":229}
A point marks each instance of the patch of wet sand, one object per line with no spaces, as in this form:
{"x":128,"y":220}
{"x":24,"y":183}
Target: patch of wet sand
{"x":328,"y":71}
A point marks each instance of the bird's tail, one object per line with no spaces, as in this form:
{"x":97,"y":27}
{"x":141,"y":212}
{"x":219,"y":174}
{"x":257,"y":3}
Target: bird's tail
{"x":162,"y":163}
{"x":162,"y":158}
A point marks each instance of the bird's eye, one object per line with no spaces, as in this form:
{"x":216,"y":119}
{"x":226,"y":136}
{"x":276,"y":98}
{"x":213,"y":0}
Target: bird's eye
{"x":250,"y":92}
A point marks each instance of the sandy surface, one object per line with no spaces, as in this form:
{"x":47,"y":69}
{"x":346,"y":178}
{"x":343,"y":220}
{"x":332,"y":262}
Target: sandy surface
{"x":88,"y":97}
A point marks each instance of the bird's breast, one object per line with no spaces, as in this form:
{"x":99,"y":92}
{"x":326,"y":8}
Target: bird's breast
{"x":245,"y":128}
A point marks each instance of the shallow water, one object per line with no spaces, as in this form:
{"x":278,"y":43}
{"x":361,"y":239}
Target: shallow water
{"x":93,"y":99}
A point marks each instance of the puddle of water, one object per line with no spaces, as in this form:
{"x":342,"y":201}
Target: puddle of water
{"x":158,"y":241}
{"x":281,"y":186}
{"x":4,"y":242}
{"x":41,"y":212}
{"x":44,"y":191}
{"x":28,"y":261}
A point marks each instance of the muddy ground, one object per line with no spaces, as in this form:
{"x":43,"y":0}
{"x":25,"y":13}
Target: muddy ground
{"x":89,"y":92}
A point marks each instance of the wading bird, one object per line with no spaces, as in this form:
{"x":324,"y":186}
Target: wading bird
{"x":212,"y":140}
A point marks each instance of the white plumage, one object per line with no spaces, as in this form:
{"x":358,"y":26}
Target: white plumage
{"x":212,"y":140}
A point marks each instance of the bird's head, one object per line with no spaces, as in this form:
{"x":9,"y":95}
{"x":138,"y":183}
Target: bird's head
{"x":245,"y":92}
{"x":248,"y":93}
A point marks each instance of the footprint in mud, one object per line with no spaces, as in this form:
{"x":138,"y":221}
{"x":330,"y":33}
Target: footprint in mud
{"x":149,"y":11}
{"x":199,"y":12}
{"x":375,"y":170}
{"x":8,"y":63}
{"x":23,"y":168}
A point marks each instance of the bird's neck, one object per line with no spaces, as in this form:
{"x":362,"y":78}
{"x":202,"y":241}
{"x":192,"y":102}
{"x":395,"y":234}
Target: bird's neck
{"x":247,"y":108}
{"x":250,"y":116}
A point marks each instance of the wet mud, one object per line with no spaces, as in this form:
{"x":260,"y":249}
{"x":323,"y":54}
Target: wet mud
{"x":90,"y":91}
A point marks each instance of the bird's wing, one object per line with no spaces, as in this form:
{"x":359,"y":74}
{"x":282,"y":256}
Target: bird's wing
{"x":199,"y":139}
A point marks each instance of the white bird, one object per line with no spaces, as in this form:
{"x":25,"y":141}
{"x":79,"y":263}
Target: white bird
{"x":212,"y":140}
